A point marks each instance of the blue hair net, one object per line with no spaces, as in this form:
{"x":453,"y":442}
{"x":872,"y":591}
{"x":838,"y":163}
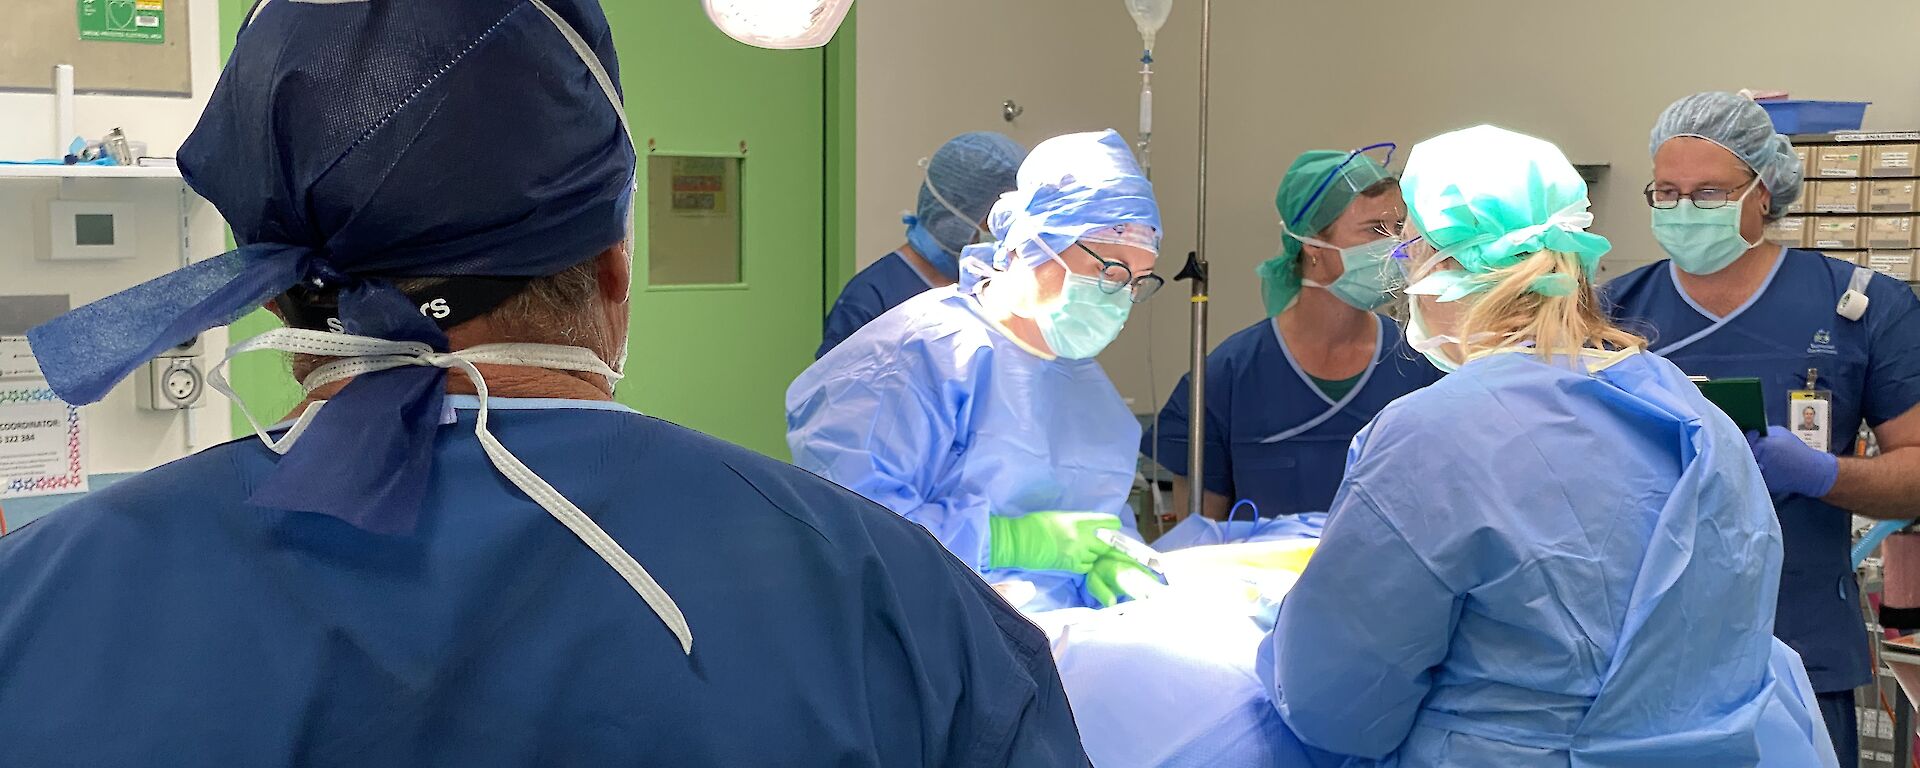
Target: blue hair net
{"x":962,"y":180}
{"x":1070,"y":185}
{"x":1741,"y":126}
{"x":349,"y":143}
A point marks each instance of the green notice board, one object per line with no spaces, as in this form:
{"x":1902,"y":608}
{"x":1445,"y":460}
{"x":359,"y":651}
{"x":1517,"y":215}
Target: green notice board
{"x":124,"y":21}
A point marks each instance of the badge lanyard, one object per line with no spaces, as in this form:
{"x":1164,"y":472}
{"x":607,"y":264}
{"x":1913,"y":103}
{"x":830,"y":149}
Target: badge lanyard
{"x":1810,"y":413}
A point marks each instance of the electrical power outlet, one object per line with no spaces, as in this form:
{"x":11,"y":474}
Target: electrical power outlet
{"x":173,"y":384}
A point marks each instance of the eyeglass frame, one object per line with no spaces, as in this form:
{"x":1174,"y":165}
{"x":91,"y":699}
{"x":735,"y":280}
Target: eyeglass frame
{"x":1744,"y":189}
{"x":1137,"y":289}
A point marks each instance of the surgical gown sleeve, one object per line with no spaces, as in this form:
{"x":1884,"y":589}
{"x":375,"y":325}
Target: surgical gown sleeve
{"x":887,"y":432}
{"x":1893,"y":378}
{"x":1350,"y":677}
{"x":1169,"y":434}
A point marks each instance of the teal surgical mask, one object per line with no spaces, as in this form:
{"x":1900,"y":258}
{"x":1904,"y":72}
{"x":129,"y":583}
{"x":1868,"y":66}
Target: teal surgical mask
{"x":1087,"y":319}
{"x":1703,"y":241}
{"x":1367,"y":282}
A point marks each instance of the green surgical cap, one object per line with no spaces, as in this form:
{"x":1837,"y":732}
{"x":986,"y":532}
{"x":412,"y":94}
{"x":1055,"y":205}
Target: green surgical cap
{"x":1489,"y":197}
{"x":1305,"y":215}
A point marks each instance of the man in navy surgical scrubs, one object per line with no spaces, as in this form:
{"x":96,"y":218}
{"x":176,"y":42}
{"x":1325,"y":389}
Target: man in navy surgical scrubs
{"x":471,"y":555}
{"x":1730,"y":304}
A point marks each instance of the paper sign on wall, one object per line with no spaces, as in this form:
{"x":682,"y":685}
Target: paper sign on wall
{"x":700,"y":186}
{"x":123,"y":21}
{"x":16,"y":359}
{"x":42,"y":443}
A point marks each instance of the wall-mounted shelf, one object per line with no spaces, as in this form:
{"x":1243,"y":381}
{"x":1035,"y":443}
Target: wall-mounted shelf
{"x":132,"y":174}
{"x":88,"y":172}
{"x":1855,"y":137}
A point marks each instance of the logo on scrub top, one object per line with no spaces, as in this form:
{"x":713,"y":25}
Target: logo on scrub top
{"x":1822,"y":343}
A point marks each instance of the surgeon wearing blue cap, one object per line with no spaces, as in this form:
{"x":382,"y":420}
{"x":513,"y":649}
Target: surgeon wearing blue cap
{"x":978,"y":410}
{"x":958,"y":185}
{"x":1727,"y":303}
{"x":460,"y":551}
{"x":1560,"y":554}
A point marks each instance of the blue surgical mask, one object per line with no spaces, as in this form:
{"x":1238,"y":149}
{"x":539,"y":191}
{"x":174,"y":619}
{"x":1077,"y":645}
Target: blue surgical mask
{"x":1087,"y":319}
{"x":931,"y":249}
{"x":1366,"y":282}
{"x":944,"y":257}
{"x":1703,"y":241}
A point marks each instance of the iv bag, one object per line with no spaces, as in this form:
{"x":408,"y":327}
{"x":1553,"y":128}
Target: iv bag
{"x":1149,"y":16}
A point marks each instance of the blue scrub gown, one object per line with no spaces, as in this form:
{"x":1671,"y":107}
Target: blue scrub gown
{"x":1528,"y":565}
{"x":883,"y":285}
{"x":1872,"y":367}
{"x":934,"y":413}
{"x":1255,"y":392}
{"x":164,"y":622}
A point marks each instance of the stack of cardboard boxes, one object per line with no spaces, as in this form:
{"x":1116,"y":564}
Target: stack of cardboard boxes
{"x":1861,"y":202}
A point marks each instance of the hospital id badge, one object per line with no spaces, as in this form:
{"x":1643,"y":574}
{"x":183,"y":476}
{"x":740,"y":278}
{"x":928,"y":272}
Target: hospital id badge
{"x":1810,"y":415}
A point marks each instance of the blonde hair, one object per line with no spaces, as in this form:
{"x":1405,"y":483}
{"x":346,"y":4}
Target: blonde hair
{"x":1510,"y":312}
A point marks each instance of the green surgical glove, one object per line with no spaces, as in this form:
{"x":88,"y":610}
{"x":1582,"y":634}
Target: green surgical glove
{"x":1049,"y":541}
{"x":1116,"y":576}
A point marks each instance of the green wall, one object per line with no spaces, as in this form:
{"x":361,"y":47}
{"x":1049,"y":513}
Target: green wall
{"x":263,"y":379}
{"x":840,"y":161}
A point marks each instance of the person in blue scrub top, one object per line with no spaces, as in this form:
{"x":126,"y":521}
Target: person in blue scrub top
{"x":1286,"y":395}
{"x":1560,"y":554}
{"x":471,"y":556}
{"x":978,"y":411}
{"x":957,"y":187}
{"x":1729,"y":304}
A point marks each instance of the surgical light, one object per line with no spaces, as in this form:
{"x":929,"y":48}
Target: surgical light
{"x":779,"y":24}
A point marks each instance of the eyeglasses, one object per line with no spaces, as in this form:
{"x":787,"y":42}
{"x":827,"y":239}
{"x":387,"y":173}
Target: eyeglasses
{"x":1706,"y":198}
{"x":1115,"y":276}
{"x":1411,"y":255}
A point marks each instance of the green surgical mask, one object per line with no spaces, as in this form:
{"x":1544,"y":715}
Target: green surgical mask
{"x":1702,"y":241}
{"x":1367,"y":282}
{"x":1087,"y":319}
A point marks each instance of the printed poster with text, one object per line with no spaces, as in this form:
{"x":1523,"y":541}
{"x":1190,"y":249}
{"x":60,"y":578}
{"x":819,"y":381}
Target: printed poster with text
{"x":123,"y":21}
{"x":42,"y":446}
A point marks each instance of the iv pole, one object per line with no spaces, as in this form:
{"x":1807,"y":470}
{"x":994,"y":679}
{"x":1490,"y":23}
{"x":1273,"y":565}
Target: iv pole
{"x":1196,"y":271}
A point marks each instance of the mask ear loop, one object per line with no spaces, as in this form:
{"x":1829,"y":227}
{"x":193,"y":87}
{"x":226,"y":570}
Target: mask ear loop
{"x":926,"y":180}
{"x":1031,"y":306}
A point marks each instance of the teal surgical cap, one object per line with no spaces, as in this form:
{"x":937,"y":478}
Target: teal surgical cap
{"x":1304,"y":213}
{"x":1488,"y":198}
{"x":1741,"y":126}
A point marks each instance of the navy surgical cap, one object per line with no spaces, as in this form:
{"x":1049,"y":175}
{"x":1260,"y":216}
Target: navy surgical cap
{"x":350,"y":143}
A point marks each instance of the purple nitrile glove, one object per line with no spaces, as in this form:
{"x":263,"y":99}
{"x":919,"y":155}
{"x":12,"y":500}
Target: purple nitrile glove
{"x":1790,"y":466}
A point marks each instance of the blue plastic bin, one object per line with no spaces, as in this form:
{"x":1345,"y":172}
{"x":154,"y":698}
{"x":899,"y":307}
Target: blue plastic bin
{"x":1799,"y":116}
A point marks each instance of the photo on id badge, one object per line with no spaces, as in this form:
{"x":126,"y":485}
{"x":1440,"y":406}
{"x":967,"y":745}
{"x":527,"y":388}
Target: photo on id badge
{"x":1808,"y":415}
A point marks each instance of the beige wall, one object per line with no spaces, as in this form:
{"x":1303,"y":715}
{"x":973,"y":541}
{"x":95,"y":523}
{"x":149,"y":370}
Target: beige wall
{"x":124,"y":438}
{"x":1291,"y":76}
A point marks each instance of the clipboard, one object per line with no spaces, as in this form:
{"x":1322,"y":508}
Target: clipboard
{"x":1740,"y":398}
